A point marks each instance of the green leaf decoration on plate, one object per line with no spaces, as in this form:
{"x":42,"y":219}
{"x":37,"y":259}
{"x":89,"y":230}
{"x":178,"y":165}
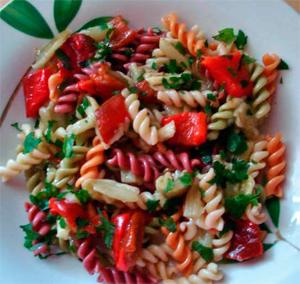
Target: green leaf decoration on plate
{"x":64,"y":12}
{"x":273,"y":207}
{"x":96,"y":22}
{"x":24,"y":17}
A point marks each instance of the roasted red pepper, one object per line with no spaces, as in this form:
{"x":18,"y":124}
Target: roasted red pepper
{"x":146,"y":93}
{"x":78,"y":48}
{"x":246,"y":242}
{"x":228,"y":70}
{"x":121,"y":35}
{"x":191,"y":128}
{"x":36,"y":90}
{"x":127,"y":242}
{"x":112,"y":118}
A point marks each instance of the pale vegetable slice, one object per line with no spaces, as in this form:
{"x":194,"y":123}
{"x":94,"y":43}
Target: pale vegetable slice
{"x":193,"y":206}
{"x":98,"y":33}
{"x":111,"y":189}
{"x":171,"y":52}
{"x":45,"y":54}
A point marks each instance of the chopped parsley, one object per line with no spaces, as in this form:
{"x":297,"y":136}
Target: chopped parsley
{"x":206,"y":252}
{"x":237,"y":205}
{"x":128,"y":52}
{"x":103,"y":48}
{"x":82,"y":195}
{"x":154,"y":65}
{"x":172,"y":67}
{"x":191,"y":60}
{"x":81,"y":223}
{"x":169,"y":224}
{"x":282,"y":65}
{"x":49,"y":129}
{"x":171,"y":206}
{"x":241,"y":40}
{"x":180,"y":48}
{"x":31,"y":143}
{"x":183,"y":82}
{"x":83,"y":106}
{"x":140,"y":77}
{"x":16,"y":126}
{"x":68,"y":146}
{"x":108,"y":230}
{"x":211,"y":97}
{"x":226,"y":35}
{"x":133,"y":90}
{"x":186,"y":179}
{"x":206,"y":159}
{"x":208,"y":109}
{"x":30,"y":235}
{"x":62,"y":223}
{"x":198,"y":54}
{"x":246,"y":59}
{"x":236,"y":143}
{"x":64,"y":58}
{"x":169,"y":186}
{"x":152,"y":204}
{"x":81,"y":235}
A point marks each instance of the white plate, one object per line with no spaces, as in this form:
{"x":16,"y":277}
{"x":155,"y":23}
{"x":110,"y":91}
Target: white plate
{"x":272,"y":26}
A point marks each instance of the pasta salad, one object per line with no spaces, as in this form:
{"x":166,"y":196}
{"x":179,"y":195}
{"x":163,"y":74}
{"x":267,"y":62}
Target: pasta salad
{"x":146,"y":161}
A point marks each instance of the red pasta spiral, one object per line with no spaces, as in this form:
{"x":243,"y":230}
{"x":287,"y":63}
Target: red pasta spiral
{"x":113,"y":276}
{"x":37,"y":218}
{"x":172,"y":161}
{"x":87,"y":252}
{"x":141,"y":166}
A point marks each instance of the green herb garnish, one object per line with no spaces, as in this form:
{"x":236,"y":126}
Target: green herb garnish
{"x":62,"y":223}
{"x":180,"y":48}
{"x":241,"y":40}
{"x":236,"y":143}
{"x":31,"y":143}
{"x":152,"y":204}
{"x":186,"y":179}
{"x":169,"y":224}
{"x":246,"y":59}
{"x":49,"y":129}
{"x":30,"y":235}
{"x":169,"y":186}
{"x":206,"y":252}
{"x":16,"y":126}
{"x":83,"y":106}
{"x":225,"y":35}
{"x":68,"y":146}
{"x":83,"y":196}
{"x":282,"y":65}
{"x":107,"y":228}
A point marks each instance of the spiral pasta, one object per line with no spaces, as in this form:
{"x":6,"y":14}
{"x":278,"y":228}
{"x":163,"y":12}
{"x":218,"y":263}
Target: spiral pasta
{"x":189,"y":39}
{"x":223,"y":117}
{"x":276,"y":166}
{"x":211,"y":217}
{"x":221,"y":245}
{"x":271,"y":62}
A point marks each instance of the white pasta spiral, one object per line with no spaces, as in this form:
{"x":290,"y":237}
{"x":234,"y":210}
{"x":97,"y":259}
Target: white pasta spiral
{"x":142,"y":122}
{"x":258,"y":157}
{"x":34,"y":180}
{"x":211,"y":217}
{"x":189,"y":228}
{"x":221,"y":245}
{"x":223,"y":117}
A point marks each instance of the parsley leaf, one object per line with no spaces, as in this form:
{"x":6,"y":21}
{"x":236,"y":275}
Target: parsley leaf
{"x":49,"y":129}
{"x":169,"y":186}
{"x":282,"y":65}
{"x":140,"y":77}
{"x":186,"y":179}
{"x":225,"y":35}
{"x":172,"y":205}
{"x":68,"y":146}
{"x":83,"y":106}
{"x":239,"y":171}
{"x":172,"y":67}
{"x":82,"y":195}
{"x":30,"y":143}
{"x":211,"y":96}
{"x":236,"y":143}
{"x":180,"y":48}
{"x":62,"y":223}
{"x":81,"y":235}
{"x":205,"y":252}
{"x":241,"y":40}
{"x":169,"y":224}
{"x":207,"y":109}
{"x":108,"y":229}
{"x":246,"y":59}
{"x":152,"y":204}
{"x":198,"y":53}
{"x":30,"y":235}
{"x":16,"y":125}
{"x":183,"y":82}
{"x":81,"y":223}
{"x":154,"y":65}
{"x":236,"y":205}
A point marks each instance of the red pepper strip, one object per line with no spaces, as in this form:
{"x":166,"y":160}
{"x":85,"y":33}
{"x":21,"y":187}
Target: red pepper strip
{"x":191,"y":128}
{"x":121,"y":35}
{"x":78,"y":48}
{"x":146,"y":93}
{"x":246,"y":242}
{"x":127,"y":244}
{"x":69,"y":210}
{"x":111,"y":117}
{"x":120,"y":221}
{"x":36,"y":90}
{"x":228,"y":70}
{"x":106,"y":82}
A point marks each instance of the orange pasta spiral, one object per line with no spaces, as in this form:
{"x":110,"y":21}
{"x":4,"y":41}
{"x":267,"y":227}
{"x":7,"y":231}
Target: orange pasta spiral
{"x":94,"y":158}
{"x":181,"y":252}
{"x":276,"y":166}
{"x":271,"y":61}
{"x":178,"y":30}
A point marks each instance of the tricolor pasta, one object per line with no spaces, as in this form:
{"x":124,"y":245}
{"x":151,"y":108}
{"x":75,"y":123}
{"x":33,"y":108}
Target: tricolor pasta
{"x":147,"y":161}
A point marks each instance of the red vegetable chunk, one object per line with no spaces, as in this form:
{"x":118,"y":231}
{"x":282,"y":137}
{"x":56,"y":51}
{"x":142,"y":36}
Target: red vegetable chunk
{"x":78,"y":48}
{"x":228,"y":71}
{"x":121,"y":35}
{"x":146,"y":93}
{"x":191,"y":128}
{"x":36,"y":91}
{"x":112,"y":117}
{"x":246,"y":242}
